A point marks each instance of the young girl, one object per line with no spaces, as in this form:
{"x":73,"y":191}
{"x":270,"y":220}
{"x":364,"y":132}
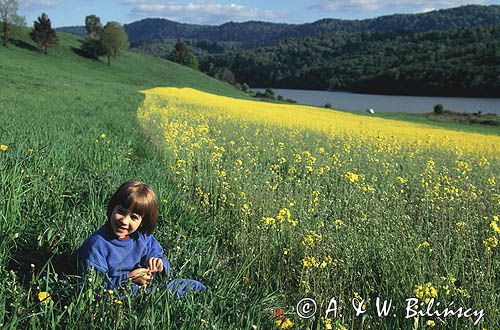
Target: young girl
{"x":124,"y":248}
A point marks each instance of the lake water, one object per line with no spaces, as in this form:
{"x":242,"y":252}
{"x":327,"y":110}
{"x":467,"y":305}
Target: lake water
{"x":388,"y":103}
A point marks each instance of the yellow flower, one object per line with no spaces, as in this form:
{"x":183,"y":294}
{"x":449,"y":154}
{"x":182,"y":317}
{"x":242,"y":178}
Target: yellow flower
{"x":309,"y":262}
{"x":490,"y":243}
{"x":494,"y":227}
{"x":44,"y":297}
{"x":118,"y":301}
{"x":402,"y":180}
{"x":284,"y":324}
{"x":351,"y":177}
{"x":492,"y":180}
{"x":459,"y":225}
{"x":328,"y":323}
{"x":103,"y":136}
{"x":423,"y":246}
{"x":431,"y":323}
{"x":3,"y":147}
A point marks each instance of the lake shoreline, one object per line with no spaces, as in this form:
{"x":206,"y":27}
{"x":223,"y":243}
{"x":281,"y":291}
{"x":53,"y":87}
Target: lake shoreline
{"x":360,"y":102}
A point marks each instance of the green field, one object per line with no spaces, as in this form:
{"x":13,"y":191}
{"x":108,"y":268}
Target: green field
{"x":71,"y":128}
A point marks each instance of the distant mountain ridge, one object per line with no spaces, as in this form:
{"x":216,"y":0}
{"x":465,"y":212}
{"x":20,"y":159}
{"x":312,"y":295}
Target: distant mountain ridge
{"x":254,"y":33}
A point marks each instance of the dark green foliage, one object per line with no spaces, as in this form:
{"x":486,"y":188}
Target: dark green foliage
{"x":269,"y":93}
{"x":114,"y":40}
{"x":245,"y":88}
{"x":226,"y":75}
{"x":93,"y":26}
{"x":464,"y":62}
{"x":43,"y":34}
{"x":93,"y":47}
{"x":438,"y":109}
{"x":181,"y":55}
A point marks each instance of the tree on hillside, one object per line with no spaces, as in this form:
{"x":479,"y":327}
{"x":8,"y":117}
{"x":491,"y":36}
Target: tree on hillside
{"x":93,"y":26}
{"x":43,"y":34}
{"x":16,"y":26}
{"x":114,"y":40}
{"x":8,"y":9}
{"x":92,"y":45}
{"x":181,"y":55}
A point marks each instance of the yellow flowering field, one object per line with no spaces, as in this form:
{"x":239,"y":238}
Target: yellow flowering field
{"x":323,"y":203}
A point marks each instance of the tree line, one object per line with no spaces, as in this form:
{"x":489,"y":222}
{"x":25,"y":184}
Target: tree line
{"x":461,"y":62}
{"x":254,"y":34}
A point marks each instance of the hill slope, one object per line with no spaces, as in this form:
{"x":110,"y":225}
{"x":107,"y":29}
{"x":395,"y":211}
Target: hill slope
{"x":130,"y":71}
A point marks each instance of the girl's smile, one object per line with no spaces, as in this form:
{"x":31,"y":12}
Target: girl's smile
{"x":124,"y":223}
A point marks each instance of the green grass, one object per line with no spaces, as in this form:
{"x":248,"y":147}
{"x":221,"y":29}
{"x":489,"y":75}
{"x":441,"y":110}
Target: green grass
{"x":58,"y":174}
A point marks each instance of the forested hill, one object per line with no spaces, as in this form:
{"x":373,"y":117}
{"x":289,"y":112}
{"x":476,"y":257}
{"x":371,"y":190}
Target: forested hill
{"x":252,"y":33}
{"x":260,"y":33}
{"x":457,"y":62}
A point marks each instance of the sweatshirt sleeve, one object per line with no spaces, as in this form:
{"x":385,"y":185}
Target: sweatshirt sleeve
{"x":155,"y":250}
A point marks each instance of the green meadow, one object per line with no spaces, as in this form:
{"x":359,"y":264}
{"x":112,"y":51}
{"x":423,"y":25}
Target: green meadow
{"x":72,"y":134}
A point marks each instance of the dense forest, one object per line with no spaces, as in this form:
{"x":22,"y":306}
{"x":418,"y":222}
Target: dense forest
{"x":461,"y":62}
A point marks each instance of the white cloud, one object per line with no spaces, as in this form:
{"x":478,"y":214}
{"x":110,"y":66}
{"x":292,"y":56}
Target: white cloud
{"x":350,"y":6}
{"x":198,"y":12}
{"x":38,"y":4}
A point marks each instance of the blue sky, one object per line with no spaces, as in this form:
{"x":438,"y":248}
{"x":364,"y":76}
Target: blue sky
{"x":214,"y":12}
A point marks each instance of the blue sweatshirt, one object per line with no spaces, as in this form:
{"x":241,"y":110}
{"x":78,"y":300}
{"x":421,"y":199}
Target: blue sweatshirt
{"x":117,"y":258}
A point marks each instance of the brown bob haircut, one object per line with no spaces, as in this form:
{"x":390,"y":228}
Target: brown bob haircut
{"x":137,"y":197}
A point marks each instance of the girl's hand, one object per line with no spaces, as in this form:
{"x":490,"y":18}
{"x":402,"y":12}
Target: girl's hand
{"x":140,"y":276}
{"x":155,"y":265}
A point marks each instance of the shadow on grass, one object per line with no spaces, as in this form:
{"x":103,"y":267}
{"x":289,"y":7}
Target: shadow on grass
{"x":30,"y":259}
{"x":81,"y":53}
{"x":23,"y":45}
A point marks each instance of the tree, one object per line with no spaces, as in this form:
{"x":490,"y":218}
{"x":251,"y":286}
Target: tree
{"x":93,"y":26}
{"x":8,"y":9}
{"x":92,"y":46}
{"x":43,"y":34}
{"x":16,"y":26}
{"x":114,"y":40}
{"x":181,"y":55}
{"x":438,"y":109}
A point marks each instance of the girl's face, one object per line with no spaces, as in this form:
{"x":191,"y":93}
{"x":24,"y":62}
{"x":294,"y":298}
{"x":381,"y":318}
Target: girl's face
{"x":124,"y":223}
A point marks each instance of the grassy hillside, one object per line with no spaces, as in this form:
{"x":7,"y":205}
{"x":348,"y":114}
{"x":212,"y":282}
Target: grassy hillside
{"x":70,"y":128}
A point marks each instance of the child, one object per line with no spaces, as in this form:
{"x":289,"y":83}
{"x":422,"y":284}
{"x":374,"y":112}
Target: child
{"x":124,"y":248}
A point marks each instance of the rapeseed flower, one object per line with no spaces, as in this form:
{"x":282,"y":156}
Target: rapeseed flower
{"x":285,"y":323}
{"x":351,"y":177}
{"x":44,"y":297}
